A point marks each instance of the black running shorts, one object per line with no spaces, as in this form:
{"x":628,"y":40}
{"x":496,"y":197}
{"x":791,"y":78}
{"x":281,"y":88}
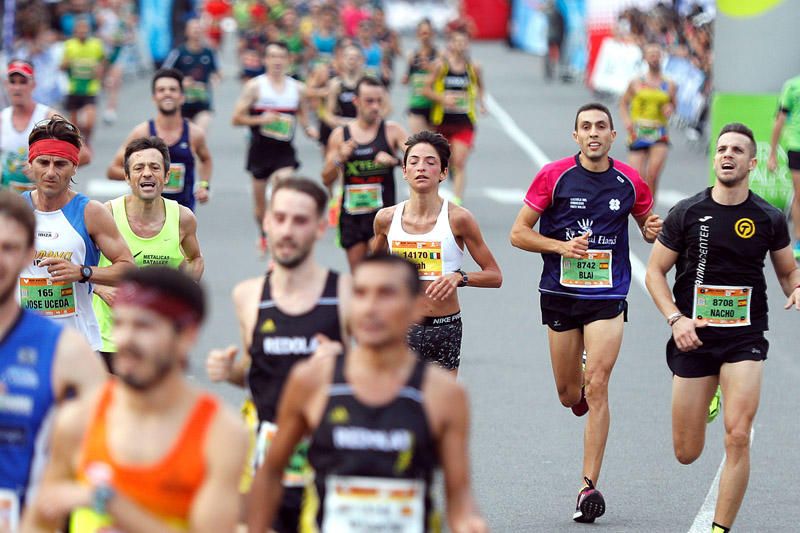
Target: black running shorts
{"x":709,"y":358}
{"x":354,"y":229}
{"x":263,"y":161}
{"x":794,"y":159}
{"x":561,"y":313}
{"x":438,"y":340}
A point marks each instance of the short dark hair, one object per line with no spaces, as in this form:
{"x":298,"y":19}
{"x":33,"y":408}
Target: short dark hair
{"x":436,"y":140}
{"x":56,"y":127}
{"x":306,"y":186}
{"x":369,"y":81}
{"x":15,"y":207}
{"x":738,"y":127}
{"x":413,"y":283}
{"x":279,"y":44}
{"x":145,"y":143}
{"x":594,"y":106}
{"x":171,"y":282}
{"x":172,"y":73}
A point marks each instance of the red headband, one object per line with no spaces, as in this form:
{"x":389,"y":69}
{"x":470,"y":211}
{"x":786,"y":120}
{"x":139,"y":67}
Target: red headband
{"x":159,"y":302}
{"x":54,"y":147}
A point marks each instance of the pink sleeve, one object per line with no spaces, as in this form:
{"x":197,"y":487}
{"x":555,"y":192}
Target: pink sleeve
{"x":644,"y":198}
{"x":540,"y":193}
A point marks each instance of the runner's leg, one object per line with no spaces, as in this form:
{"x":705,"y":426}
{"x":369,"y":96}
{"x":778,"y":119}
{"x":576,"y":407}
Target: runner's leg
{"x":89,"y":116}
{"x":638,"y":160}
{"x":356,"y":254}
{"x":741,"y":388}
{"x":259,"y":202}
{"x":603,"y":339}
{"x":417,"y":123}
{"x":690,"y":399}
{"x":566,"y":348}
{"x":458,"y":164}
{"x":655,"y":164}
{"x":203,"y":119}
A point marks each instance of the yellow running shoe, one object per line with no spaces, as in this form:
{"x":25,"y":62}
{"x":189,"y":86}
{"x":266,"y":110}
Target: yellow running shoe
{"x":715,"y":405}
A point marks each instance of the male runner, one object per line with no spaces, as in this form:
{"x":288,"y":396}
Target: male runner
{"x":456,"y":88}
{"x":584,"y":202}
{"x":158,"y":231}
{"x":16,"y":123}
{"x":283,"y":316}
{"x":787,"y":122}
{"x":71,"y":232}
{"x":198,"y":65}
{"x":381,"y":421}
{"x":186,"y":142}
{"x":645,"y":109}
{"x":271,"y":105}
{"x":340,"y":107}
{"x":431,"y":232}
{"x":84,"y":62}
{"x":363,"y":153}
{"x":148,"y":452}
{"x":717,"y":240}
{"x":40,"y":362}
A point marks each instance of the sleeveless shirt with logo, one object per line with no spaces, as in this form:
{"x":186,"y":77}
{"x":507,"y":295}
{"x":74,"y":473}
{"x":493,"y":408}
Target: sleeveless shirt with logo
{"x":180,"y":185}
{"x":368,"y":186}
{"x":14,"y":148}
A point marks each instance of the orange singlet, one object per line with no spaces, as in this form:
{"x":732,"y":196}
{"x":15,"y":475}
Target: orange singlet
{"x":165,"y":488}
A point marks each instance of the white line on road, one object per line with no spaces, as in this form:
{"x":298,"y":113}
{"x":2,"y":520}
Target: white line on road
{"x":505,"y":196}
{"x":98,"y":188}
{"x":517,"y":135}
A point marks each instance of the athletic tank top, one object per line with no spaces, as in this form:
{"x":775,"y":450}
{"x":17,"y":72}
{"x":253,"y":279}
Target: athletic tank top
{"x":62,"y":234}
{"x":166,"y":487}
{"x":368,"y":186}
{"x":14,"y":148}
{"x":26,"y":360}
{"x":180,"y":185}
{"x":373,"y":465}
{"x":162,"y":249}
{"x":434,"y":253}
{"x":280,"y":340}
{"x":464,"y":86}
{"x":325,"y":45}
{"x":417,"y":79}
{"x":284,"y":104}
{"x":373,"y":56}
{"x":647,"y":104}
{"x":344,"y":102}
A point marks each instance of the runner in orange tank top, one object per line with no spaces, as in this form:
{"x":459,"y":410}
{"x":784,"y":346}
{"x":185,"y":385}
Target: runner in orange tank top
{"x":149,"y":452}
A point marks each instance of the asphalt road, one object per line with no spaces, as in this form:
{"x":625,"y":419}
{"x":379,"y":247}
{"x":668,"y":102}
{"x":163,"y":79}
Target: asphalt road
{"x":526,"y":448}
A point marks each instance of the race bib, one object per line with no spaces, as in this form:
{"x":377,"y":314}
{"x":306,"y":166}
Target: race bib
{"x":83,"y":69}
{"x":196,"y":92}
{"x":280,"y":129}
{"x":361,"y":199}
{"x":46,"y":297}
{"x":298,"y":473}
{"x":21,"y":187}
{"x":590,"y":272}
{"x":649,"y":133}
{"x":461,"y":104}
{"x":722,"y":306}
{"x":176,"y":178}
{"x":425,"y":255}
{"x":9,"y":511}
{"x":366,"y":505}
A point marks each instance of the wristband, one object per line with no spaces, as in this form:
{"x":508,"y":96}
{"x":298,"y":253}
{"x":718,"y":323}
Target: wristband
{"x":674,"y":317}
{"x":100,"y":497}
{"x":205,"y":185}
{"x":464,"y":278}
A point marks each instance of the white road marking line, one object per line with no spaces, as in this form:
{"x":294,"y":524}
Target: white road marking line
{"x":517,"y":135}
{"x":505,"y":196}
{"x":669,"y":197}
{"x":107,"y":189}
{"x":705,"y":516}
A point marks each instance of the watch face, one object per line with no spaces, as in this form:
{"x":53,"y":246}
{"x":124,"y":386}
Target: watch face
{"x":86,"y":272}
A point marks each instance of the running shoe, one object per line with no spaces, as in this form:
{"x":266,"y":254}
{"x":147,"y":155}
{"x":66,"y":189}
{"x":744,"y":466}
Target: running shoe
{"x":582,"y":407}
{"x":715,"y":405}
{"x":591,"y":504}
{"x":109,"y":116}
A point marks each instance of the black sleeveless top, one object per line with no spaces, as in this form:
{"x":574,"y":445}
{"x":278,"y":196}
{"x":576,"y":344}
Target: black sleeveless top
{"x":344,"y":102}
{"x":281,"y":340}
{"x":360,"y":169}
{"x":389,"y":442}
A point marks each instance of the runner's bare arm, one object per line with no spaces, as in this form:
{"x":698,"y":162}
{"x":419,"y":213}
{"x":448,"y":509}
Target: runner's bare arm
{"x":788,"y":275}
{"x":266,"y":491}
{"x":383,"y":219}
{"x":203,"y":154}
{"x":76,"y":367}
{"x":465,"y":226}
{"x":444,"y":395}
{"x":330,"y":118}
{"x":625,"y":106}
{"x":241,"y":112}
{"x":333,"y":160}
{"x":777,"y":128}
{"x":429,"y":91}
{"x":216,"y":505}
{"x":481,"y":86}
{"x":193,"y":263}
{"x":303,"y":113}
{"x":345,"y":292}
{"x":116,"y":170}
{"x":526,"y":238}
{"x":650,"y":225}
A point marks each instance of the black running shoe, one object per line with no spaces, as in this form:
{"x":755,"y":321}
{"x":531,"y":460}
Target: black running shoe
{"x":590,"y":504}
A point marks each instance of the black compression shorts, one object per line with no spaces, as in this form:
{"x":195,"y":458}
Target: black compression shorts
{"x":438,"y":340}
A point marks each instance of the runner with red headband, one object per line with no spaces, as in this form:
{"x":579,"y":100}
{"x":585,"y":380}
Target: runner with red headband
{"x":185,"y":478}
{"x":16,"y":123}
{"x":71,"y":231}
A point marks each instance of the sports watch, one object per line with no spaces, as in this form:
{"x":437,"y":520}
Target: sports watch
{"x":100,"y":497}
{"x":464,"y":278}
{"x":86,"y":273}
